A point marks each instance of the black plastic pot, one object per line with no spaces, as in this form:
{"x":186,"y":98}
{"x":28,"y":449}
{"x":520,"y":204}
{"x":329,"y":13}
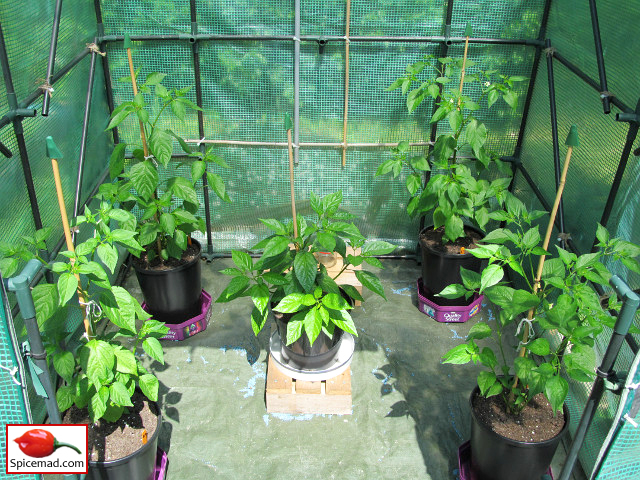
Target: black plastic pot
{"x":440,"y":269}
{"x":173,"y":295}
{"x":494,"y":457}
{"x":302,"y":352}
{"x":140,"y":465}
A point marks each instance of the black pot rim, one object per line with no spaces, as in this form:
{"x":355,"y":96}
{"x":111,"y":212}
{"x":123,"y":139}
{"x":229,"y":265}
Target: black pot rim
{"x":443,"y":254}
{"x":140,"y":451}
{"x":150,"y":271}
{"x":518,"y":443}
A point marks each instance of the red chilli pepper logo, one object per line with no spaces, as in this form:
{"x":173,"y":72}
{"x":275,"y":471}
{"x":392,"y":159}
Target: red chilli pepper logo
{"x":39,"y":443}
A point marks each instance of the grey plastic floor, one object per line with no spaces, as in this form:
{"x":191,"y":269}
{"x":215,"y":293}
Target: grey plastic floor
{"x":410,"y":412}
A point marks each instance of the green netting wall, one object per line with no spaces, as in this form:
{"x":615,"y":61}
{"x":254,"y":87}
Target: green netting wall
{"x":248,"y":85}
{"x":593,"y":164}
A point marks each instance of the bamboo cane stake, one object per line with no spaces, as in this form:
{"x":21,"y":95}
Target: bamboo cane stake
{"x":467,"y":34}
{"x":287,"y":126}
{"x":572,"y":140}
{"x":346,"y":84}
{"x":54,"y":154}
{"x":132,"y":71}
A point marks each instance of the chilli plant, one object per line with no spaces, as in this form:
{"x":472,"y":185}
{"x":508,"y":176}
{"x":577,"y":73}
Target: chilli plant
{"x":100,"y":371}
{"x":568,"y":313}
{"x":168,"y":207}
{"x":452,"y":191}
{"x":288,"y":274}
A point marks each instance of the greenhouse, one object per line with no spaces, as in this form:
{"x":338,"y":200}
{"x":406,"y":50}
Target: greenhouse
{"x":326,"y":239}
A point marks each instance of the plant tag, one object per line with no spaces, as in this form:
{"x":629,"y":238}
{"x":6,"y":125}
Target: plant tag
{"x":144,"y":437}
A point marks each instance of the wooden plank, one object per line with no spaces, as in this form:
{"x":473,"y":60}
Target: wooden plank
{"x":278,"y":382}
{"x":302,"y":386}
{"x":287,"y":395}
{"x":340,"y":385}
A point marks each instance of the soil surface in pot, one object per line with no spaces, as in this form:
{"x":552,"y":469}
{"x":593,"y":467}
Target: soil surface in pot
{"x":157,"y":263}
{"x":536,"y":423}
{"x":433,"y":239}
{"x":111,"y":441}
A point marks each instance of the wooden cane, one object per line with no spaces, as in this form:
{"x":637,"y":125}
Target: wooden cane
{"x":468,"y":31}
{"x":143,"y":136}
{"x":287,"y":126}
{"x":54,"y":154}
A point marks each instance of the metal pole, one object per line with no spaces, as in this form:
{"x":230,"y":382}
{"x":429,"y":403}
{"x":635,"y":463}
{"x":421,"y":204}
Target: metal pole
{"x":52,"y":58}
{"x":617,"y":179}
{"x":590,"y":81}
{"x":20,"y":285}
{"x":108,"y":86}
{"x":554,"y":133}
{"x":195,"y":49}
{"x":85,"y":130}
{"x":19,"y":133}
{"x":296,"y":82}
{"x":625,"y":319}
{"x":604,"y":93}
{"x":330,"y":38}
{"x":532,"y":81}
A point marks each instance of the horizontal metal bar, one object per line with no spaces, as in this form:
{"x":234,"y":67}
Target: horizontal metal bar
{"x":591,"y":82}
{"x":304,"y":144}
{"x":330,"y":38}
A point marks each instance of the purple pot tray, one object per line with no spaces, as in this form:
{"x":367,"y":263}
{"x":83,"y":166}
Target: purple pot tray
{"x":465,"y":472}
{"x":448,"y":313}
{"x":188,"y":328}
{"x":161,"y":465}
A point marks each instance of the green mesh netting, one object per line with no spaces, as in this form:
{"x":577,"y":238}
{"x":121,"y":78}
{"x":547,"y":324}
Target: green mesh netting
{"x":248,"y":87}
{"x":14,"y":407}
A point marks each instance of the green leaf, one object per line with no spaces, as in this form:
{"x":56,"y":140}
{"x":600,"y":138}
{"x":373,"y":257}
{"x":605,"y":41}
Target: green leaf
{"x":556,"y":390}
{"x":294,"y":330}
{"x":149,"y":385}
{"x":98,"y":359}
{"x":458,"y":355}
{"x":198,"y":168}
{"x":65,"y":396}
{"x":327,"y":241}
{"x":476,"y":134}
{"x":438,"y":115}
{"x":511,"y":98}
{"x":312,"y":324}
{"x":274,"y":225}
{"x":67,"y":286}
{"x":352,"y":292}
{"x":377,"y":248}
{"x":370,"y":281}
{"x":161,"y":145}
{"x":116,"y":162}
{"x":453,"y":228}
{"x":46,"y":301}
{"x":144,"y":178}
{"x":258,"y":319}
{"x":109,"y":256}
{"x":479,"y":331}
{"x":236,"y":285}
{"x":486,"y":380}
{"x":65,"y":364}
{"x":540,"y":346}
{"x":491,"y":276}
{"x":217,"y":184}
{"x":275,"y":246}
{"x":274,"y":278}
{"x":183,"y":189}
{"x":153,"y":348}
{"x":335,"y":302}
{"x":331,"y":202}
{"x":119,"y":394}
{"x":290,"y":304}
{"x":470,"y":279}
{"x":602,"y":234}
{"x":242,"y":260}
{"x":97,"y":405}
{"x":531,"y":238}
{"x":126,"y":362}
{"x":154,"y":78}
{"x":342,"y":319}
{"x":305,"y":268}
{"x":455,"y":119}
{"x":454,"y":290}
{"x":499,"y":235}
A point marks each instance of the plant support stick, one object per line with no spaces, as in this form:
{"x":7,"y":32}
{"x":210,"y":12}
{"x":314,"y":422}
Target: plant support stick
{"x":467,"y":33}
{"x":572,"y":141}
{"x":53,"y":153}
{"x":287,"y":127}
